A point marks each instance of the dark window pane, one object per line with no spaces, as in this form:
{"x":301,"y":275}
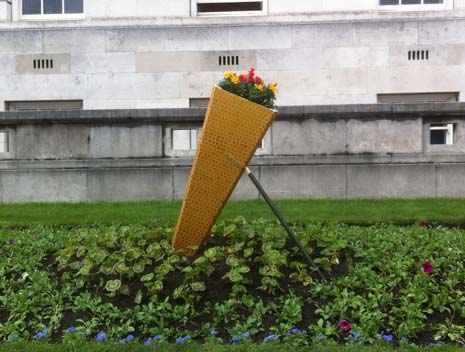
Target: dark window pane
{"x":52,"y":7}
{"x":230,"y":6}
{"x":389,"y":2}
{"x":31,"y":7}
{"x":433,"y":1}
{"x":74,"y":6}
{"x":438,"y":137}
{"x":411,"y":2}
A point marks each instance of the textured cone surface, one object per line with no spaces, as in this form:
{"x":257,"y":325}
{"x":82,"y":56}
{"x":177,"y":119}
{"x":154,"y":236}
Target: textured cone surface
{"x":235,"y":126}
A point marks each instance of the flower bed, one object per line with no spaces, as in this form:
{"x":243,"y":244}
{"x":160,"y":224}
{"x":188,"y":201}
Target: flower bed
{"x":388,"y":284}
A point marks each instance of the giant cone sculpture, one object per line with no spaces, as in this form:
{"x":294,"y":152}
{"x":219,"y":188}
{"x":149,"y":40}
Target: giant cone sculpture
{"x":233,"y":126}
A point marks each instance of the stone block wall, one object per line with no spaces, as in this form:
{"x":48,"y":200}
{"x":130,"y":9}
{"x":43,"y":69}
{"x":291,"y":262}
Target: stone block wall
{"x":351,"y":151}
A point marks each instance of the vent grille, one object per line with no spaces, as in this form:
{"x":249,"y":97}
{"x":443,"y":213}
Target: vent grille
{"x":228,"y":60}
{"x":42,"y":64}
{"x":418,"y":55}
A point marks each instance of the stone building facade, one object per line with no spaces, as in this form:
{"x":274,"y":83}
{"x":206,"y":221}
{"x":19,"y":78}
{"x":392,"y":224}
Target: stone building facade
{"x":154,"y":58}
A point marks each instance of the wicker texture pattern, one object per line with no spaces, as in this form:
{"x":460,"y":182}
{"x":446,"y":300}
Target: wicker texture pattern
{"x":235,"y":126}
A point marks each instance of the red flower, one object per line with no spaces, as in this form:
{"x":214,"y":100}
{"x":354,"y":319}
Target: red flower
{"x":251,"y":73}
{"x":344,"y":325}
{"x":423,"y":223}
{"x":258,"y":80}
{"x":243,"y":78}
{"x":427,"y":267}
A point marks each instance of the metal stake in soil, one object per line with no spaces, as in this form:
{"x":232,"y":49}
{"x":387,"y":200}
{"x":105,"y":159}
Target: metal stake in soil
{"x":277,"y":213}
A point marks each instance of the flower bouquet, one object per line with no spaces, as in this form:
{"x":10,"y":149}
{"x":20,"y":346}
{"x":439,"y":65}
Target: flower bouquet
{"x":250,"y":87}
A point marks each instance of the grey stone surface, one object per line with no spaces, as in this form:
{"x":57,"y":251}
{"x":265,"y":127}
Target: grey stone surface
{"x":24,"y":186}
{"x":135,"y":40}
{"x":129,"y":184}
{"x":73,"y":41}
{"x":125,"y":141}
{"x":264,"y":37}
{"x":20,"y":42}
{"x":321,"y":35}
{"x":52,"y":142}
{"x":441,"y":32}
{"x":388,"y":33}
{"x":450,"y":180}
{"x":304,"y":181}
{"x":103,"y":62}
{"x":309,"y":137}
{"x":384,"y":136}
{"x":197,"y":39}
{"x":391,"y":181}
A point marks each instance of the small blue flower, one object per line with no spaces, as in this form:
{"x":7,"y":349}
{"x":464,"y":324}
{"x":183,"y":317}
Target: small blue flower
{"x":321,"y":337}
{"x":41,"y":335}
{"x":180,"y":340}
{"x":148,"y":342}
{"x":71,"y":330}
{"x":388,"y":338}
{"x":15,"y":337}
{"x":213,"y":332}
{"x":432,"y":344}
{"x":158,"y":338}
{"x":304,"y":332}
{"x":288,"y":334}
{"x":187,"y":338}
{"x":403,"y":339}
{"x":235,"y":339}
{"x":413,"y":345}
{"x":295,"y":331}
{"x":357,"y":335}
{"x":441,"y":343}
{"x":270,"y":338}
{"x":101,"y":337}
{"x":122,"y":341}
{"x":246,"y":335}
{"x":130,"y":337}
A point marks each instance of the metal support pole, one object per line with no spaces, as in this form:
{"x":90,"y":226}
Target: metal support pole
{"x":277,"y":213}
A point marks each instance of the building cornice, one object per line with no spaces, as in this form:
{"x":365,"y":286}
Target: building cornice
{"x":281,"y":19}
{"x":142,"y":116}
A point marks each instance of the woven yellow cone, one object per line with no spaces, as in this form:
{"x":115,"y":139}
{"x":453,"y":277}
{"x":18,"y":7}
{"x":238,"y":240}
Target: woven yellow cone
{"x":235,"y":126}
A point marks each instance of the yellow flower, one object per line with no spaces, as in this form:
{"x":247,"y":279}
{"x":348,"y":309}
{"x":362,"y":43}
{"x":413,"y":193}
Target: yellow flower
{"x":228,"y":74}
{"x":259,"y":86}
{"x":235,"y":79}
{"x":273,"y":87}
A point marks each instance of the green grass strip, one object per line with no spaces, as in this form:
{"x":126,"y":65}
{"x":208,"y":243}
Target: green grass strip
{"x":358,"y":211}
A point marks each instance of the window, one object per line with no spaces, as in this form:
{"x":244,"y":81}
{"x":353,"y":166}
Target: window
{"x":415,"y":4}
{"x":228,"y":7}
{"x":52,"y":9}
{"x":44,"y":105}
{"x":441,"y":133}
{"x":198,"y":102}
{"x":4,"y":142}
{"x":418,"y":97}
{"x":184,"y":139}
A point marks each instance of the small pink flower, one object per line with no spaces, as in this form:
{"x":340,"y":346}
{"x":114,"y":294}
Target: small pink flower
{"x":344,"y":325}
{"x":423,"y":223}
{"x":427,"y":267}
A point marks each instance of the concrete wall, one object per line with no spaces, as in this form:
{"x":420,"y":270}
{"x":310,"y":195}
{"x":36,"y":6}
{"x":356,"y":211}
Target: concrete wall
{"x":130,"y":64}
{"x":360,"y":151}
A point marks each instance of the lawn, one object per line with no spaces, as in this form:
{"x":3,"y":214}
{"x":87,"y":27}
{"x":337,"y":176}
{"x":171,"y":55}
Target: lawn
{"x":362,"y":211}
